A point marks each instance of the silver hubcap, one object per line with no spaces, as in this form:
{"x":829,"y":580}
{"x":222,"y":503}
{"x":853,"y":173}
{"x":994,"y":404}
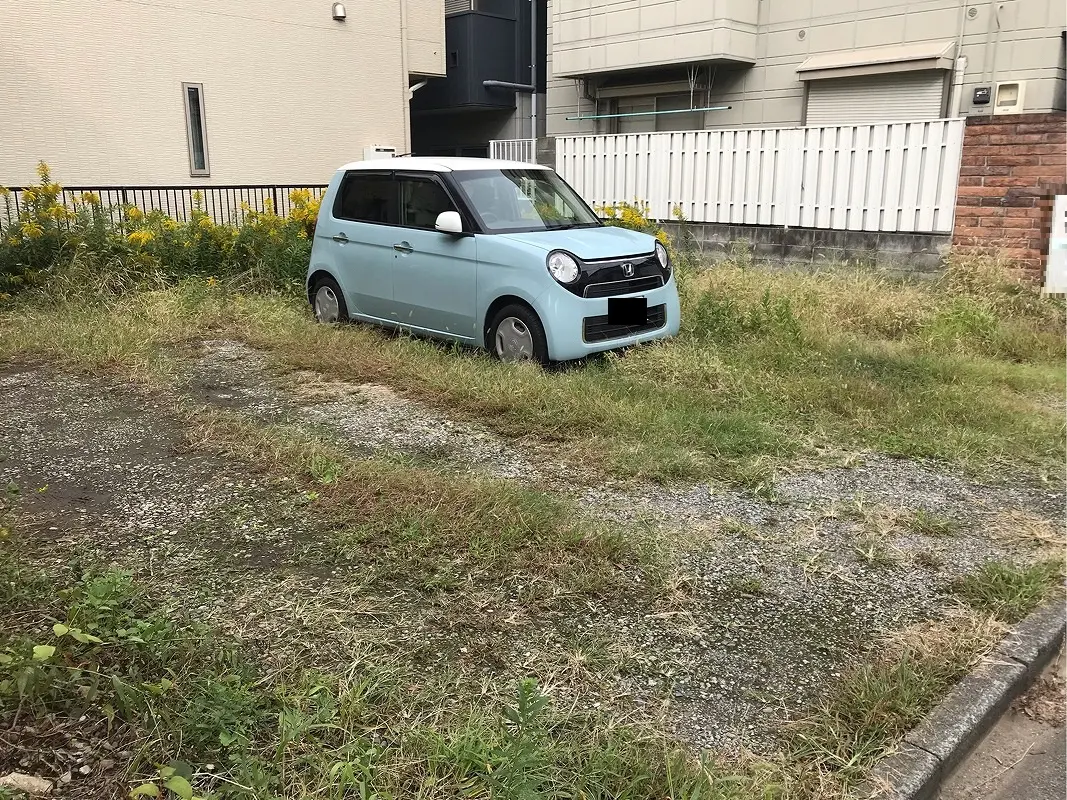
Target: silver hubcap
{"x":327,"y":309}
{"x":514,"y":342}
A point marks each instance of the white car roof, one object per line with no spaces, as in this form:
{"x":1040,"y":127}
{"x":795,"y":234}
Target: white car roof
{"x":430,"y":164}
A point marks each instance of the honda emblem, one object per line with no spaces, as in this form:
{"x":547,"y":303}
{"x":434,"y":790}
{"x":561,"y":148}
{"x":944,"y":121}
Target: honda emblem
{"x":628,"y":270}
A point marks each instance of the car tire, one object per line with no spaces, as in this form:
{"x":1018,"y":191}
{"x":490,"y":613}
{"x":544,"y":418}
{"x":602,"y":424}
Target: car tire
{"x":516,"y":334}
{"x":328,"y":301}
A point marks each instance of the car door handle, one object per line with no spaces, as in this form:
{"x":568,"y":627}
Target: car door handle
{"x":340,"y":237}
{"x":403,"y":247}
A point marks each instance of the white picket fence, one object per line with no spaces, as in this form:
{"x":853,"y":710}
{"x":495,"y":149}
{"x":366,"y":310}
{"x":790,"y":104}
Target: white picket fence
{"x":513,"y":150}
{"x":887,"y":177}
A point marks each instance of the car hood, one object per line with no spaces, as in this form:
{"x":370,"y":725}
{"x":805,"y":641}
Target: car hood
{"x":589,"y":244}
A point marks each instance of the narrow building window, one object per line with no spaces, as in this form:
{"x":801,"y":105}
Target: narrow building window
{"x":196,"y":129}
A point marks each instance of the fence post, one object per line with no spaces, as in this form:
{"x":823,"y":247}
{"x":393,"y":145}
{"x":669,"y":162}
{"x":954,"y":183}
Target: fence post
{"x":274,"y":195}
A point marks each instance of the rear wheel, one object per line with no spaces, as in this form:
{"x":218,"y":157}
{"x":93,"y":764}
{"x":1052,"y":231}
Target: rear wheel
{"x":516,"y":334}
{"x":328,"y":302}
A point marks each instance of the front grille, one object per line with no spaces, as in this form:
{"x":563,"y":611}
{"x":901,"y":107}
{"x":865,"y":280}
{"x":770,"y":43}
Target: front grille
{"x":614,"y":276}
{"x":612,"y":288}
{"x":598,"y":329}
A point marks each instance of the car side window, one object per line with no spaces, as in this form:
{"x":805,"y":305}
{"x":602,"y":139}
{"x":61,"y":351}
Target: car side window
{"x":422,"y":201}
{"x":367,"y":198}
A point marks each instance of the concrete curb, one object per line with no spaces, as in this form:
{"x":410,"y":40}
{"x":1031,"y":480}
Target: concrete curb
{"x":930,"y":753}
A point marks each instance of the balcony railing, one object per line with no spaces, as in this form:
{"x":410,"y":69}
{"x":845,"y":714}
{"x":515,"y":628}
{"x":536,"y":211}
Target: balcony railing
{"x":514,"y":150}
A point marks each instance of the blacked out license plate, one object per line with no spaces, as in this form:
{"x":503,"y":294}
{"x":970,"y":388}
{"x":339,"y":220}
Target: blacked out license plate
{"x":627,"y":311}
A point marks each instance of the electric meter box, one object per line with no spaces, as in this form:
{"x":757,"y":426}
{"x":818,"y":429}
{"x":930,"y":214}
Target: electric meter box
{"x":375,"y":152}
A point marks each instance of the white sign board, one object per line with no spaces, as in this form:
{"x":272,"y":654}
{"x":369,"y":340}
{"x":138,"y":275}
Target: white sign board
{"x":1056,"y":269}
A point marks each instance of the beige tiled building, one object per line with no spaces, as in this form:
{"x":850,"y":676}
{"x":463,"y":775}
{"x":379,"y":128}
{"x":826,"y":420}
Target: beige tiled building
{"x":764,"y":63}
{"x":205,"y":92}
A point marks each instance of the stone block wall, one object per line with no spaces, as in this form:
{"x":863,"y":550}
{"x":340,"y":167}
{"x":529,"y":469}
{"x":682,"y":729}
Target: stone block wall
{"x":1012,"y":167}
{"x":912,"y":255}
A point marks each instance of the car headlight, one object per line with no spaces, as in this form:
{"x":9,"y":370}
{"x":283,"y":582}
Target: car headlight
{"x":661,"y":256}
{"x":563,"y":267}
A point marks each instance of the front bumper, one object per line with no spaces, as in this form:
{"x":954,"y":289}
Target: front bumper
{"x":564,"y":316}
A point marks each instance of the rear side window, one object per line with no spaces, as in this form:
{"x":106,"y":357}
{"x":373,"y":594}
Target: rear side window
{"x":423,"y":200}
{"x":367,"y":198}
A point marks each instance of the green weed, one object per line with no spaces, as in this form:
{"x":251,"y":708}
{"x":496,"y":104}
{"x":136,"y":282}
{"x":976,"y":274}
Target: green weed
{"x":1008,"y":591}
{"x":887,"y":696}
{"x":926,"y":523}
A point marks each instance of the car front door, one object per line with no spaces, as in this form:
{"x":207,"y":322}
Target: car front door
{"x":363,"y":227}
{"x":435,"y":276}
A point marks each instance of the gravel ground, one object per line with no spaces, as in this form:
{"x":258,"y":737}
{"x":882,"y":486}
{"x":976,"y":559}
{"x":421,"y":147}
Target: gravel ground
{"x":372,"y":418}
{"x":774,"y":598}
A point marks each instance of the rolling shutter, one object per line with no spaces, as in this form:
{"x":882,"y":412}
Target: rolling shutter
{"x":891,"y":97}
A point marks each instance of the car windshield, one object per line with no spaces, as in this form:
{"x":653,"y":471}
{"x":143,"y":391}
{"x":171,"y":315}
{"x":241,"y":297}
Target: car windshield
{"x":519,"y":200}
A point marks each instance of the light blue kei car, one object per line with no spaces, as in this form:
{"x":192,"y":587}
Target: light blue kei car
{"x":495,"y":254}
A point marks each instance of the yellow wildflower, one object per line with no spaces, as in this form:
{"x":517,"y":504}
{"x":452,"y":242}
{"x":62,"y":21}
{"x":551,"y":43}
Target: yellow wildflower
{"x":32,"y":229}
{"x":43,"y":171}
{"x":29,"y":195}
{"x":170,"y":225}
{"x":212,"y":281}
{"x":5,"y":192}
{"x":91,"y":198}
{"x":12,"y":240}
{"x":134,"y":214}
{"x":57,"y":212}
{"x":141,"y":237}
{"x":205,"y":223}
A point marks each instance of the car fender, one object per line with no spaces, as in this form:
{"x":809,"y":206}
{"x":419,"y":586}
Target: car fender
{"x":508,"y":268}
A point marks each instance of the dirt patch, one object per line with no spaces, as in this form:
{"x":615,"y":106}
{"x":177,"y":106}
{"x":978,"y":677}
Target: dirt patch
{"x":81,"y":757}
{"x":1046,"y":701}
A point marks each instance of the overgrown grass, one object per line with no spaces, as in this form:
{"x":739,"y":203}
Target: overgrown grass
{"x":770,"y":367}
{"x":189,"y":698}
{"x":881,"y":700}
{"x":440,"y":532}
{"x":1009,"y":591}
{"x":193,"y":701}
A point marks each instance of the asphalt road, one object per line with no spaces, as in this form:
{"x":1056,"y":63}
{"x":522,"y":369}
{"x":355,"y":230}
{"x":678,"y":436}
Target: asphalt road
{"x":1024,"y":757}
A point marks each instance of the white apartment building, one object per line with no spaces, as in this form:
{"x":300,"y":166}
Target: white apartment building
{"x":166,"y":92}
{"x":637,"y":66}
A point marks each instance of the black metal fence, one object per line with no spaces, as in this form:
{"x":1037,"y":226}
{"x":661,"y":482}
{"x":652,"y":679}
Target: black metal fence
{"x":224,"y":204}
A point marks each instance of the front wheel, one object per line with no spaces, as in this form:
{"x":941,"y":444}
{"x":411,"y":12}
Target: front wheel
{"x":516,"y":334}
{"x":328,"y":302}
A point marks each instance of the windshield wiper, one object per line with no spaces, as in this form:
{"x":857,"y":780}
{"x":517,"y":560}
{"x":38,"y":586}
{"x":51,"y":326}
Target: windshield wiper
{"x":566,"y":226}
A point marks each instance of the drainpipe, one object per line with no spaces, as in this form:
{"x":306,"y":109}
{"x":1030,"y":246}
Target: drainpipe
{"x":404,"y":71}
{"x":955,"y":108}
{"x":999,"y":8}
{"x":415,"y":88}
{"x":508,"y":85}
{"x":955,"y":104}
{"x":533,"y":71}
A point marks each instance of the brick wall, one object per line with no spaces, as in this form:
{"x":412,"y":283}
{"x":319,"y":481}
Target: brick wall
{"x":1012,"y":166}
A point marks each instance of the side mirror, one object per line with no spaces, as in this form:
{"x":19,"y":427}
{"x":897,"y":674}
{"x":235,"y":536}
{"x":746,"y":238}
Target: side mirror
{"x":449,"y":222}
